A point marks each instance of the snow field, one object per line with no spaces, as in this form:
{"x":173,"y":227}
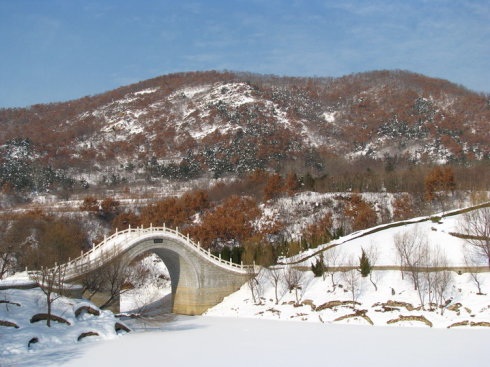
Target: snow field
{"x":18,"y":306}
{"x":211,"y":341}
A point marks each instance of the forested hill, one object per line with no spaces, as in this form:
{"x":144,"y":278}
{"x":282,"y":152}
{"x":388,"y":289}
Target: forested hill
{"x":214,"y":124}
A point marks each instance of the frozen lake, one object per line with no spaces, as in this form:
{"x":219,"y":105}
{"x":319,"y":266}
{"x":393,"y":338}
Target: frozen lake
{"x":215,"y":341}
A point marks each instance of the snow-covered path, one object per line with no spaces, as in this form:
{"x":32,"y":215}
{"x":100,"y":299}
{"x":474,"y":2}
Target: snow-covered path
{"x":215,"y":341}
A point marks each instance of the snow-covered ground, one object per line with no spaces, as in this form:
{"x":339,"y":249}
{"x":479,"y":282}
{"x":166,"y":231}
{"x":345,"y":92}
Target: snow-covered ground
{"x":438,"y":233}
{"x":320,"y":302}
{"x":153,"y":290}
{"x":18,"y":335}
{"x":240,"y":331}
{"x":210,"y":341}
{"x":391,"y":297}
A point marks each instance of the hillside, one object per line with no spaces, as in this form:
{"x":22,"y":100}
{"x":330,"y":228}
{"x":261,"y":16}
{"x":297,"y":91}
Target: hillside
{"x":442,"y":299}
{"x":211,"y":124}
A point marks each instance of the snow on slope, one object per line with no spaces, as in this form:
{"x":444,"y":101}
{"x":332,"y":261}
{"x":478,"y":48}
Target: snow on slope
{"x":437,"y":233}
{"x":392,"y":286}
{"x":18,"y":306}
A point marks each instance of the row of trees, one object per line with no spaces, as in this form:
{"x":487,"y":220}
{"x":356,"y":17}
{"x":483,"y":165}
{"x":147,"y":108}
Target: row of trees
{"x":425,"y":266}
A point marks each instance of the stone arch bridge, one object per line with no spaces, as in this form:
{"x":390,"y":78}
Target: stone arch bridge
{"x":199,"y":279}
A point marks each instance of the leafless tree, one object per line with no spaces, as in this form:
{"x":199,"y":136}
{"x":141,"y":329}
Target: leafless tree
{"x":117,"y":277}
{"x":112,"y":279}
{"x":436,"y":278}
{"x":352,"y":278}
{"x":293,"y":278}
{"x":332,"y":258}
{"x":372,"y":254}
{"x":92,"y":283}
{"x":51,"y":281}
{"x":254,"y":284}
{"x":10,"y":246}
{"x":475,"y":229}
{"x":275,"y":275}
{"x":410,"y":246}
{"x":471,"y":265}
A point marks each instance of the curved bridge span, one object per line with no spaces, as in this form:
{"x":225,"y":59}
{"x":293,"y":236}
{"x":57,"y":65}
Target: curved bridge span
{"x":199,"y":279}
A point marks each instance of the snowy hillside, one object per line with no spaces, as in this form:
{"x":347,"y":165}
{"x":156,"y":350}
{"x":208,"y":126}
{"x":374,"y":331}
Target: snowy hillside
{"x":79,"y":321}
{"x":385,"y":297}
{"x":184,"y":126}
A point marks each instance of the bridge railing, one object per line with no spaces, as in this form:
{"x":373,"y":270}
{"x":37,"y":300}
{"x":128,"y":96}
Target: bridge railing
{"x":114,"y":245}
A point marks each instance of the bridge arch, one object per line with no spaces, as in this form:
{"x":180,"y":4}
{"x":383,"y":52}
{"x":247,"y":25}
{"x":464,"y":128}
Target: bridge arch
{"x":199,"y":279}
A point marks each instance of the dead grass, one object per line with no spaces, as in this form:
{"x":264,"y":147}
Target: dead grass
{"x":44,"y":316}
{"x":88,"y":333}
{"x":333,"y":304}
{"x":87,"y":309}
{"x":358,"y":313}
{"x":470,"y":323}
{"x":410,"y":318}
{"x":8,"y":324}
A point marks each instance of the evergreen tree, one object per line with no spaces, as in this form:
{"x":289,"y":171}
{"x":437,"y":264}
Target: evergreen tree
{"x":364,"y":264}
{"x":318,"y":268}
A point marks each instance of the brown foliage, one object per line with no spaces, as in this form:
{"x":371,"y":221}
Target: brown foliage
{"x":231,"y":221}
{"x":175,"y":212}
{"x":320,"y":231}
{"x":274,"y":187}
{"x":439,"y":179}
{"x":292,"y":183}
{"x":403,"y":207}
{"x":109,"y":206}
{"x":124,"y":220}
{"x":361,"y":213}
{"x":90,"y":204}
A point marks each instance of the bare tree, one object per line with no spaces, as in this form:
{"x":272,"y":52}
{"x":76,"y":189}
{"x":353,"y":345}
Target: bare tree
{"x":410,"y":246}
{"x":117,"y":276}
{"x":372,"y":254}
{"x":92,"y":283}
{"x":7,"y":259}
{"x":293,"y":279}
{"x":475,"y":229}
{"x":51,"y":281}
{"x":352,"y":278}
{"x":471,"y":265}
{"x":112,"y":279}
{"x":332,"y":258}
{"x":436,"y":278}
{"x":275,"y":275}
{"x":254,"y":284}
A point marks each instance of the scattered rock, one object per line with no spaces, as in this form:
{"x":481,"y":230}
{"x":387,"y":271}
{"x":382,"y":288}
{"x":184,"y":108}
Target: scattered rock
{"x":387,"y":309}
{"x":9,"y":302}
{"x":410,"y":318}
{"x":8,"y":324}
{"x":273,"y":310}
{"x":87,"y":309}
{"x":393,"y":304}
{"x":44,"y":316}
{"x":468,"y":323}
{"x":480,"y":323}
{"x":310,"y":303}
{"x":461,"y":323}
{"x":88,"y":333}
{"x":358,"y":313}
{"x":332,"y":304}
{"x":299,"y":315}
{"x":32,"y":341}
{"x":119,"y":326}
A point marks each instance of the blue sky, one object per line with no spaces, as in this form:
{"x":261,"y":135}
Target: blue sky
{"x":55,"y":50}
